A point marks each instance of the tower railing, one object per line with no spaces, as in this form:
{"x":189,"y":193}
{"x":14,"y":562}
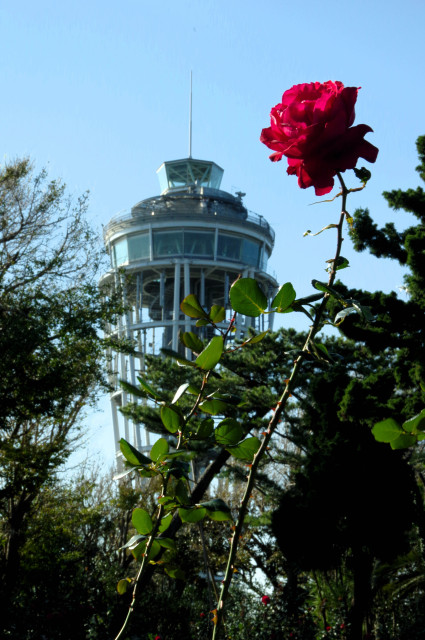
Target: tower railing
{"x":212,"y":211}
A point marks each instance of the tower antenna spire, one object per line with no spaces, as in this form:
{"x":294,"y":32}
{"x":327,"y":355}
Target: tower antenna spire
{"x":190,"y":117}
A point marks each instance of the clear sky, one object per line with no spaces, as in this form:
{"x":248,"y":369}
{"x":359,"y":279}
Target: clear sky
{"x":99,"y":92}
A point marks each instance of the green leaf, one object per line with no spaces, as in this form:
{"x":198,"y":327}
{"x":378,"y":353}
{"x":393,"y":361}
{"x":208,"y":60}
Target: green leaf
{"x":131,"y":454}
{"x":178,"y":469}
{"x":246,"y":450}
{"x":217,"y":510}
{"x":205,"y":429}
{"x":175,"y":572}
{"x":123,"y":585}
{"x":133,"y":542}
{"x":219,"y":516}
{"x":362,"y":174}
{"x":363,"y":311}
{"x":180,"y":391}
{"x":214,"y":406}
{"x":192,"y":342}
{"x":192,"y":307}
{"x":192,"y":515}
{"x":169,"y":502}
{"x":228,"y":432}
{"x":154,"y":550}
{"x":159,"y":449}
{"x":356,"y":307}
{"x":165,"y":522}
{"x":284,"y":297}
{"x":167,"y":543}
{"x":187,"y":455}
{"x":217,"y":314}
{"x":118,"y":476}
{"x":216,"y":504}
{"x":184,"y":362}
{"x":167,"y":556}
{"x":415,"y":424}
{"x":321,"y":286}
{"x":202,"y":322}
{"x":321,"y":347}
{"x":341,"y":263}
{"x":256,"y":338}
{"x":315,"y":297}
{"x":142,"y":521}
{"x":181,"y":492}
{"x":403,"y":441}
{"x":147,"y":473}
{"x":247,"y":297}
{"x":147,"y":387}
{"x":131,"y":388}
{"x":367,"y":314}
{"x":386,"y":430}
{"x":209,"y":357}
{"x":341,"y":315}
{"x":195,"y":391}
{"x":171,"y":418}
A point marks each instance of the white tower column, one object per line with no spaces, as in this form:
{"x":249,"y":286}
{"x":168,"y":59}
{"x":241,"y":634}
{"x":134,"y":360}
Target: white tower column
{"x":176,"y":306}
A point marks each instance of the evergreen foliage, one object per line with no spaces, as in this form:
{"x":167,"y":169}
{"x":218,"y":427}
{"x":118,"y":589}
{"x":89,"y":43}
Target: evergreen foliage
{"x":52,"y":356}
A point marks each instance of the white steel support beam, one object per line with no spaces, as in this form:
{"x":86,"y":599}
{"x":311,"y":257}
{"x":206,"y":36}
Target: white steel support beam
{"x":117,"y":436}
{"x":176,"y":306}
{"x":202,"y":288}
{"x":162,"y":291}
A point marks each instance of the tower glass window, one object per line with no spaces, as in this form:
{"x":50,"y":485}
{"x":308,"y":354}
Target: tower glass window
{"x":138,"y":246}
{"x":199,"y":243}
{"x":229,"y":247}
{"x":250,"y":252}
{"x":178,"y":174}
{"x":167,"y":243}
{"x":238,"y":249}
{"x":264,"y":258}
{"x":119,"y":252}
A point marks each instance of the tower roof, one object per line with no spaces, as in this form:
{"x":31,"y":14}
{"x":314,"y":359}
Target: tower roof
{"x":180,"y":174}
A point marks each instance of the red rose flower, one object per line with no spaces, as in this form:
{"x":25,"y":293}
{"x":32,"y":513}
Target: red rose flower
{"x":312,"y":128}
{"x":265,"y":599}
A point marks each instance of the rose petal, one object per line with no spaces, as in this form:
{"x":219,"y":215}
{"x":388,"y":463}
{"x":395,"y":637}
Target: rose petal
{"x":312,"y":128}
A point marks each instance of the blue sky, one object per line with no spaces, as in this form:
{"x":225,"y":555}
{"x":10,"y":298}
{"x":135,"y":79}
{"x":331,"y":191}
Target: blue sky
{"x":99,"y":92}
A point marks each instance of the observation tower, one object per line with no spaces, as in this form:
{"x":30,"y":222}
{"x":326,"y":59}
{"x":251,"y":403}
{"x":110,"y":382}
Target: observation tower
{"x":192,"y":238}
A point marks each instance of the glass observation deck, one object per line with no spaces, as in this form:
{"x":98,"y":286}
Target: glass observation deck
{"x":189,"y":243}
{"x":180,"y":174}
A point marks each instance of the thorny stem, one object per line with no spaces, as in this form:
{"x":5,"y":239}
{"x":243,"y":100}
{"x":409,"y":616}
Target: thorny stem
{"x":161,"y":507}
{"x":145,"y":560}
{"x":315,"y":327}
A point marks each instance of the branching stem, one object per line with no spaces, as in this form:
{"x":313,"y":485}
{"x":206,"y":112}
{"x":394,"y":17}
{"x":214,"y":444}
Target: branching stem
{"x":280,"y":406}
{"x":145,"y":560}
